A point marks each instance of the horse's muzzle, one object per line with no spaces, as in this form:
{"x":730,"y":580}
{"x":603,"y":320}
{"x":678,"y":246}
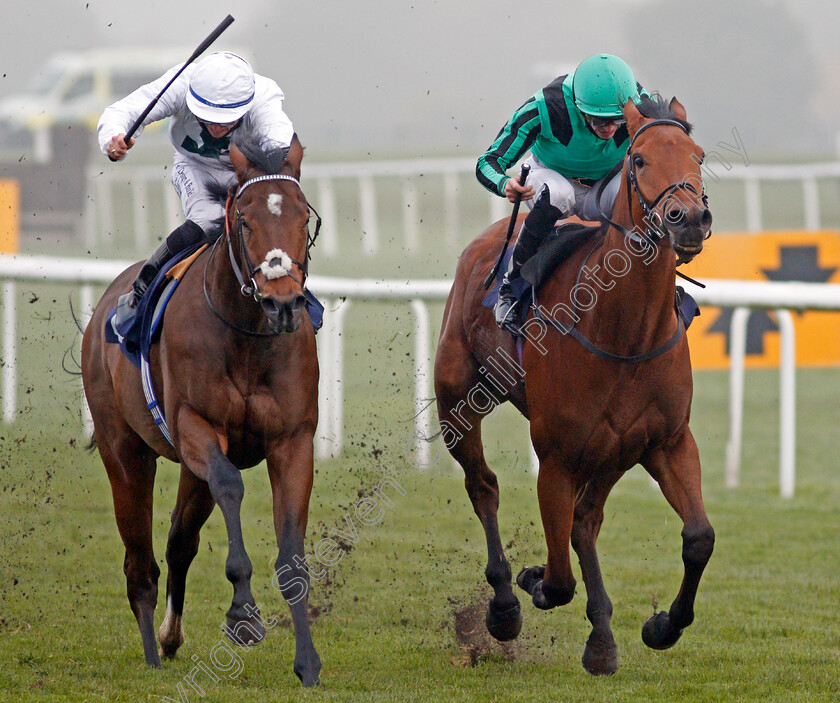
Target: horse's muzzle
{"x":688,"y":231}
{"x":283,"y":312}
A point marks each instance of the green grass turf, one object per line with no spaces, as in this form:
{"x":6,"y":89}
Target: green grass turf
{"x":766,"y":626}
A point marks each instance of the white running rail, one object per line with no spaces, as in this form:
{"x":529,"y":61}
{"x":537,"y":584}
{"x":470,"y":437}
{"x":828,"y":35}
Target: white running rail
{"x":742,"y":295}
{"x":443,"y":184}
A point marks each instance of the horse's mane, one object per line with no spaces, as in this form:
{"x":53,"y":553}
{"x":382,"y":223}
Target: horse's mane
{"x":658,"y":108}
{"x":268,"y":159}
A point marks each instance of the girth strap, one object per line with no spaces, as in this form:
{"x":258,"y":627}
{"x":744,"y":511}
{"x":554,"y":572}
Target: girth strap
{"x":573,"y":332}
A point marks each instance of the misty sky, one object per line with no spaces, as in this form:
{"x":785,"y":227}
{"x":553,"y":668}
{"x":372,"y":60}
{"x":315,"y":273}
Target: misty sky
{"x":424,"y":77}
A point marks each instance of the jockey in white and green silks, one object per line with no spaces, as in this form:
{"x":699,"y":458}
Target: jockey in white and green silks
{"x":576,"y":132}
{"x":207,"y":103}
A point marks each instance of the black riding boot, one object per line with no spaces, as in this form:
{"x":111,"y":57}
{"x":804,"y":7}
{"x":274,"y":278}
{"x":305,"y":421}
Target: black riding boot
{"x":537,"y":225}
{"x":181,"y":237}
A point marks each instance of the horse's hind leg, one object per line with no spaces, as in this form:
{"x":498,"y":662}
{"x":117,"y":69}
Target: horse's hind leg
{"x":192,"y":508}
{"x":131,"y":470}
{"x":677,"y":469}
{"x":601,"y":654}
{"x":455,"y":376}
{"x":290,"y":469}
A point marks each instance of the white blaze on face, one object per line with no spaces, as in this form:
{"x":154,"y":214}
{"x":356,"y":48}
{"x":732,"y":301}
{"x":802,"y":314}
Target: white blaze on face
{"x":275,"y":201}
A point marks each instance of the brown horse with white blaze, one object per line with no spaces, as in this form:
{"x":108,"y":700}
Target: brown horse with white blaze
{"x":236,"y":373}
{"x":604,"y":379}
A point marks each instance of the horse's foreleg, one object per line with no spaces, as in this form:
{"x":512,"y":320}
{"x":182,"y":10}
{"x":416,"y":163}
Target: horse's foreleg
{"x":290,"y":469}
{"x":201,"y":449}
{"x":131,"y":470}
{"x":462,"y":433}
{"x":555,"y":584}
{"x":677,"y":469}
{"x":192,"y":508}
{"x":601,"y":653}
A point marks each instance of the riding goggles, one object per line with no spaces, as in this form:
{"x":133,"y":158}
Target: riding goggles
{"x":596,"y":121}
{"x":223,"y":125}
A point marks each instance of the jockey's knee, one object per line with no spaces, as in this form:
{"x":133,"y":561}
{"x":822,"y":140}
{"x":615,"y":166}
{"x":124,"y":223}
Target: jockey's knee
{"x":561,"y":195}
{"x":185,"y":236}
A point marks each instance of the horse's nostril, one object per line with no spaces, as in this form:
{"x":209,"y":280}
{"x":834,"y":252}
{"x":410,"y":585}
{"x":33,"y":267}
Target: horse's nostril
{"x":676,"y":216}
{"x":270,"y":306}
{"x":299,"y":302}
{"x":706,"y":219}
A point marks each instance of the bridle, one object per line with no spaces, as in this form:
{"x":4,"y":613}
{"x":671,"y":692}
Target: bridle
{"x":276,"y":264}
{"x":655,"y":228}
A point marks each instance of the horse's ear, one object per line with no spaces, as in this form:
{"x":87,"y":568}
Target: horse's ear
{"x":633,"y":116}
{"x":677,"y":108}
{"x":240,"y":163}
{"x":295,"y":156}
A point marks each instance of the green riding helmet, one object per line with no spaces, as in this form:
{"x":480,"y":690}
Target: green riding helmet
{"x":602,"y":84}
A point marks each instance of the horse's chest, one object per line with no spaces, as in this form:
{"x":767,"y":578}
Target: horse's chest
{"x":601,"y":423}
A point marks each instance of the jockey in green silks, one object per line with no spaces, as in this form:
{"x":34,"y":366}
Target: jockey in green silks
{"x":576,"y":132}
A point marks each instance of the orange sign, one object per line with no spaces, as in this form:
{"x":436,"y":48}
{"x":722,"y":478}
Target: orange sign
{"x":809,"y":256}
{"x":9,"y":216}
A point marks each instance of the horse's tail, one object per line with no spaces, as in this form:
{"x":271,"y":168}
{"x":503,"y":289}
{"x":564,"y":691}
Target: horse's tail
{"x":429,"y":403}
{"x":78,"y":322}
{"x":75,"y":367}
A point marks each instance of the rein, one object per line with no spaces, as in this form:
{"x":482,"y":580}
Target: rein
{"x":573,"y":332}
{"x":654,"y":231}
{"x":276,"y":264}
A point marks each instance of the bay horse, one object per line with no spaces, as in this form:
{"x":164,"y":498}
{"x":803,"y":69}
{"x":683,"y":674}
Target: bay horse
{"x":238,"y":382}
{"x":604,"y":379}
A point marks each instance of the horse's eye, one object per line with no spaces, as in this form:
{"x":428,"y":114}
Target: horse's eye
{"x":245,"y":225}
{"x":638,"y":161}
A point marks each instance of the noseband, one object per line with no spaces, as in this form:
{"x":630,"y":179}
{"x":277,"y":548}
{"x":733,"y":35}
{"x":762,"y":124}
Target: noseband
{"x":276,"y":264}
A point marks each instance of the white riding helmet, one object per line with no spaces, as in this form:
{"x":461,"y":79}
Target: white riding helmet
{"x":221,"y":88}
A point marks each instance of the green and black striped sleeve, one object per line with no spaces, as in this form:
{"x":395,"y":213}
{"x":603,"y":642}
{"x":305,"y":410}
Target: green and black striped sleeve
{"x":513,"y":141}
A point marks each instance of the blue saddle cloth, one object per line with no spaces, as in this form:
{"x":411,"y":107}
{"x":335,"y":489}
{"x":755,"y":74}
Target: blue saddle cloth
{"x":138,"y":334}
{"x":684,"y":304}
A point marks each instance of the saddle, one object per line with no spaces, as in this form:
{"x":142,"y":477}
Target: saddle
{"x":137,"y":334}
{"x":558,"y":246}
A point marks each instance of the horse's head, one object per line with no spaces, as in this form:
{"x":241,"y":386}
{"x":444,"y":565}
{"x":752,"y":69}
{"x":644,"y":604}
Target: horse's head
{"x":663,"y":168}
{"x":268,"y":227}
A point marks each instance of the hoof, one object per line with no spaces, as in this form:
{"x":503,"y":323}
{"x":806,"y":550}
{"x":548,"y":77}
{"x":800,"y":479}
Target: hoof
{"x":658,"y":633}
{"x":309,"y":682}
{"x":308,"y":669}
{"x":528,"y":578}
{"x":168,"y":651}
{"x":244,"y":630}
{"x":170,"y":642}
{"x":600,"y":658}
{"x":539,"y":599}
{"x":504,"y":624}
